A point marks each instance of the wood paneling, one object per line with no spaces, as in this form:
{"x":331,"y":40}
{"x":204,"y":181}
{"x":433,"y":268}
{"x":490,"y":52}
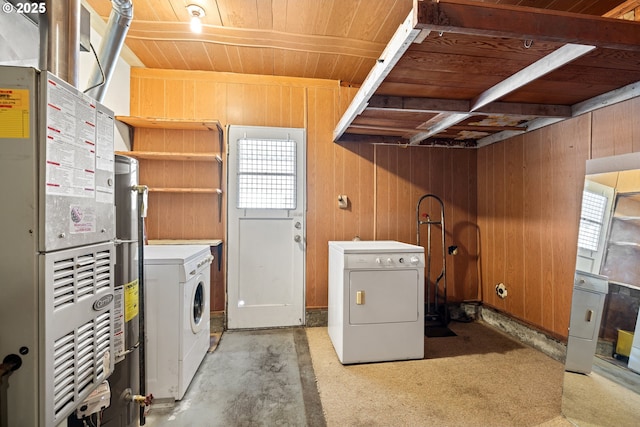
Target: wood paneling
{"x":512,"y":205}
{"x":383,"y":183}
{"x":529,"y":192}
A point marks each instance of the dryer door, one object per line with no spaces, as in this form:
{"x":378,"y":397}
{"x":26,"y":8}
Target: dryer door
{"x":384,"y":296}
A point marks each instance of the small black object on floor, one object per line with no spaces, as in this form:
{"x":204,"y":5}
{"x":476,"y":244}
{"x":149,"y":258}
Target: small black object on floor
{"x":437,"y":331}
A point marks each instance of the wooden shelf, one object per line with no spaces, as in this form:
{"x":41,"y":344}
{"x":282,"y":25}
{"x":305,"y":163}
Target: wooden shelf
{"x":179,"y":156}
{"x":164,"y":123}
{"x":185,"y":190}
{"x":206,"y":125}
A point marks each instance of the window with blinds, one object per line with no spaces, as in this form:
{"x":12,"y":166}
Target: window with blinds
{"x":266,"y":174}
{"x":591,"y":220}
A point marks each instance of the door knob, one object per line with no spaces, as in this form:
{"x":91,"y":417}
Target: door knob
{"x":297,"y":238}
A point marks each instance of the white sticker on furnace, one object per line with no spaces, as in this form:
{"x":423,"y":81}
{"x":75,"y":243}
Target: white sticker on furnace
{"x":82,"y":219}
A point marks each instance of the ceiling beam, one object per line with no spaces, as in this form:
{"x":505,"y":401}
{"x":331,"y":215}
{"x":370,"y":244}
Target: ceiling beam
{"x":495,"y":20}
{"x":355,"y":126}
{"x":618,"y":95}
{"x":545,"y":65}
{"x":550,"y":62}
{"x":447,"y":120}
{"x":405,"y":130}
{"x":622,"y":9}
{"x":392,"y":140}
{"x":487,"y":128}
{"x":372,"y":139}
{"x":433,"y":105}
{"x":399,"y":43}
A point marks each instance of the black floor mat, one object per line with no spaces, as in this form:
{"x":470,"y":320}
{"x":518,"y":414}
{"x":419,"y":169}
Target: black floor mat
{"x":438,"y":331}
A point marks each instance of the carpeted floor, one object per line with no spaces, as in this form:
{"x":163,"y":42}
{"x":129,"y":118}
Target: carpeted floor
{"x":479,"y":377}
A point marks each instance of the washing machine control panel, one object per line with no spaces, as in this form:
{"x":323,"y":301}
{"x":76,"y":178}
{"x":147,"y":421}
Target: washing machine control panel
{"x":384,"y":260}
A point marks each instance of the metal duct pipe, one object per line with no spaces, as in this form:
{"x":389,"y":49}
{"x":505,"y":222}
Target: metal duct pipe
{"x":117,"y":27}
{"x":60,"y":39}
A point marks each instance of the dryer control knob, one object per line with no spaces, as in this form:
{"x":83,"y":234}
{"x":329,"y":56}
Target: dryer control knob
{"x":414,"y":260}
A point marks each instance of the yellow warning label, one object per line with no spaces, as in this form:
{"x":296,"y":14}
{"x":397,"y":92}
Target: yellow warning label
{"x":14,"y":113}
{"x":131,"y":303}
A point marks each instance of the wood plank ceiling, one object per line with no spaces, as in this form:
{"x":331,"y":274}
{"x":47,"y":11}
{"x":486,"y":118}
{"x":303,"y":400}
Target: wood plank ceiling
{"x":326,"y":39}
{"x":480,"y":68}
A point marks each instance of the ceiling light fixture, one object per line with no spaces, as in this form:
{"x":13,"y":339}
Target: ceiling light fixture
{"x":196,"y":13}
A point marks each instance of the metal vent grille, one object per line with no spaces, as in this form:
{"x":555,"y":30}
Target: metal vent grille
{"x":79,"y":319}
{"x":64,"y":366}
{"x":77,"y":277}
{"x":103,"y":340}
{"x":103,"y":274}
{"x":78,"y":360}
{"x":63,"y":283}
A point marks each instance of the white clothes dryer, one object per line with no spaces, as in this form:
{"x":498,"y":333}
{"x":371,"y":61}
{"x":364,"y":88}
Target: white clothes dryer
{"x":376,"y":300}
{"x":177,"y":287}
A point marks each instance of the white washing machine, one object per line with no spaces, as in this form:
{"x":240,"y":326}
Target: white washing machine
{"x":177,"y":286}
{"x":376,"y":300}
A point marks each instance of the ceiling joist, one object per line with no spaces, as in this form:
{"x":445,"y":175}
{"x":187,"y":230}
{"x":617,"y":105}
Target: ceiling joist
{"x":548,"y":63}
{"x":495,"y":20}
{"x":430,"y":105}
{"x":481,"y":80}
{"x":400,"y":42}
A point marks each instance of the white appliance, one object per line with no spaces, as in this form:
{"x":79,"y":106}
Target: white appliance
{"x":56,"y":251}
{"x":177,"y":280}
{"x":376,"y":300}
{"x":589,"y":293}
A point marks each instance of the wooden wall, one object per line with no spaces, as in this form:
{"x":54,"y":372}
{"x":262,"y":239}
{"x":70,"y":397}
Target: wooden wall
{"x":529,"y":192}
{"x":383,"y":182}
{"x":511,"y":207}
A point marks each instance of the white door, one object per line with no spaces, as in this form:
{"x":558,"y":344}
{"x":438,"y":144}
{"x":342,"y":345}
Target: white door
{"x":266,"y":227}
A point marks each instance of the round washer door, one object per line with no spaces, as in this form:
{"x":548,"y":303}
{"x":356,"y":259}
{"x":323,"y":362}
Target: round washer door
{"x":198,"y":305}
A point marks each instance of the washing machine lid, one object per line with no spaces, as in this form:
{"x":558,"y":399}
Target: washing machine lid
{"x":375,"y":246}
{"x":174,"y":254}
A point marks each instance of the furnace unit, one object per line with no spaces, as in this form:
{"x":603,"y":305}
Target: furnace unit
{"x":56,"y":251}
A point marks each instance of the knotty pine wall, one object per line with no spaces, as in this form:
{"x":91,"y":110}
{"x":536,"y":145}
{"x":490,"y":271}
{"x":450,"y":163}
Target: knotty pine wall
{"x":529,"y":193}
{"x":383,"y":183}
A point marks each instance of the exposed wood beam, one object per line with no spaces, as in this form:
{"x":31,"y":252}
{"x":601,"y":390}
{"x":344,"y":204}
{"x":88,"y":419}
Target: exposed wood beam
{"x":487,"y":128}
{"x":421,"y":36}
{"x":372,"y":139}
{"x":383,"y":128}
{"x":399,"y":43}
{"x":392,"y":140}
{"x":447,"y":121}
{"x":625,"y":7}
{"x":545,"y":65}
{"x":432,"y":105}
{"x":554,"y":60}
{"x":619,"y":95}
{"x":495,"y":20}
{"x":404,"y":130}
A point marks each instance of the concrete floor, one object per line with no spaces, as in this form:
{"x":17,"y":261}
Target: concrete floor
{"x":253,"y":378}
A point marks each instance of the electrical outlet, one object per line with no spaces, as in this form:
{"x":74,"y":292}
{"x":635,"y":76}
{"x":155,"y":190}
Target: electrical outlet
{"x":501,"y":290}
